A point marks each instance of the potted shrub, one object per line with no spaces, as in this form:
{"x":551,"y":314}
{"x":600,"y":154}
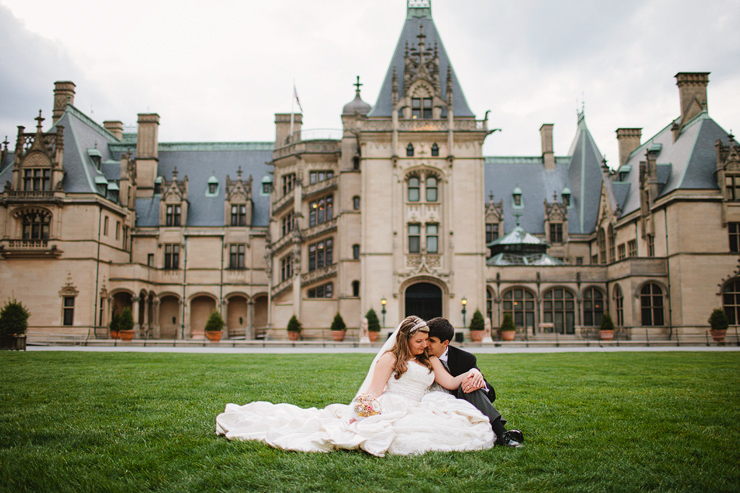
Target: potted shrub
{"x":338,"y":328}
{"x":508,"y":329}
{"x":215,"y":327}
{"x":719,"y":322}
{"x":114,"y":326}
{"x":477,"y":326}
{"x":606,"y":329}
{"x":294,"y":328}
{"x":126,"y":325}
{"x":373,"y":325}
{"x":13,"y":326}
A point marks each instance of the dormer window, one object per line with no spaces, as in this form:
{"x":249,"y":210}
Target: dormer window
{"x":174,"y":214}
{"x":266,"y":185}
{"x":421,"y":108}
{"x":565,"y":194}
{"x":212,"y":189}
{"x":36,"y":179}
{"x":516,"y":196}
{"x":410,"y":150}
{"x":95,"y":157}
{"x":158,"y":186}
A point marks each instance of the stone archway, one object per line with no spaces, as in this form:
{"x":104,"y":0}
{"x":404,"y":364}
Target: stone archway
{"x":201,"y":308}
{"x":236,"y":316}
{"x":424,"y":300}
{"x":169,"y":317}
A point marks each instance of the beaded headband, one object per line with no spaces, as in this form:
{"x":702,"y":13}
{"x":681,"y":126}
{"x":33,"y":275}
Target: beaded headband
{"x":418,"y":326}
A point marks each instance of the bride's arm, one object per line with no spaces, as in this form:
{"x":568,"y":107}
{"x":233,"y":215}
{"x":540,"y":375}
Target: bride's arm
{"x":383,"y":372}
{"x":443,"y":377}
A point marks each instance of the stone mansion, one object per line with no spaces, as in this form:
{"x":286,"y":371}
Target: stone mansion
{"x":399,"y":211}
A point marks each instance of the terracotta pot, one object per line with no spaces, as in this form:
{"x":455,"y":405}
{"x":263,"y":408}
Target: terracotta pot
{"x":372,"y":335}
{"x":114,"y":334}
{"x":214,"y":335}
{"x":718,"y":334}
{"x":508,"y":335}
{"x":294,"y":335}
{"x":338,"y":335}
{"x":606,"y":335}
{"x":477,"y":335}
{"x":126,"y":335}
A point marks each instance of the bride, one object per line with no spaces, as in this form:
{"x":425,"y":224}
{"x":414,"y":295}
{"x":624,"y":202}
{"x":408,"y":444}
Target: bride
{"x":391,"y":413}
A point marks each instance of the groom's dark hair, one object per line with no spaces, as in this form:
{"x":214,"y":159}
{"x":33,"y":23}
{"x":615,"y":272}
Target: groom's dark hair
{"x":441,"y":328}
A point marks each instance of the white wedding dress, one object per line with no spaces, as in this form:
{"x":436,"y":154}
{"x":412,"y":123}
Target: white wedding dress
{"x":411,"y":422}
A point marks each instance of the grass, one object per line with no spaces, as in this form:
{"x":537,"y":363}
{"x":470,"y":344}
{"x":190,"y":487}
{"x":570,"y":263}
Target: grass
{"x":145,"y":422}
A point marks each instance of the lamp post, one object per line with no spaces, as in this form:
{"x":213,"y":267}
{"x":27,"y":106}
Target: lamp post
{"x":464,"y":302}
{"x":383,"y":301}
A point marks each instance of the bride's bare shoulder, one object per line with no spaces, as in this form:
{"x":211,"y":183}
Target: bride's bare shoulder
{"x":387,"y":358}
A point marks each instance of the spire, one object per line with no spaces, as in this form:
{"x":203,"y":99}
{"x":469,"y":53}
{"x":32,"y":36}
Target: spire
{"x":418,"y":8}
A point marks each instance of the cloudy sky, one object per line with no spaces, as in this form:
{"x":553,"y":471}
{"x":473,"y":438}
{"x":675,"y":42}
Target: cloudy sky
{"x":219,"y":70}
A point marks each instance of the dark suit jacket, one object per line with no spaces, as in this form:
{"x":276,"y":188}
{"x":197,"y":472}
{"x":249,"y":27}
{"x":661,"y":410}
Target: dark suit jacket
{"x":460,"y":361}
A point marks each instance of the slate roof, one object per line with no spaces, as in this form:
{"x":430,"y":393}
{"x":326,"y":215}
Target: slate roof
{"x":409,"y":33}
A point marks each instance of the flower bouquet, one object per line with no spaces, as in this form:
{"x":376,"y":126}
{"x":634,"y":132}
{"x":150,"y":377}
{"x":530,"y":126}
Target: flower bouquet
{"x":366,"y":405}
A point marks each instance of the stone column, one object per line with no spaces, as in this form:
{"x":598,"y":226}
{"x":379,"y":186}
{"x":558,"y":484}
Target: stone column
{"x":146,"y":315}
{"x":155,"y":318}
{"x":250,"y":320}
{"x":225,"y":315}
{"x":135,"y":312}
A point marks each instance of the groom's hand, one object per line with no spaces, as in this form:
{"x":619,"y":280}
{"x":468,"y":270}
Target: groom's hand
{"x":473,"y":381}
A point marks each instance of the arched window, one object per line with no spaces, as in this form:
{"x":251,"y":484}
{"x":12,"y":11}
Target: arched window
{"x":356,"y":203}
{"x":356,"y":288}
{"x":435,"y":150}
{"x":593,"y":307}
{"x":36,"y":226}
{"x":410,"y":150}
{"x":356,"y":252}
{"x":619,"y":302}
{"x":612,"y":244}
{"x":520,"y":304}
{"x":559,"y":308}
{"x":731,"y":301}
{"x":414,"y":189}
{"x":431,"y":189}
{"x":601,"y":241}
{"x":356,"y":163}
{"x":651,"y":305}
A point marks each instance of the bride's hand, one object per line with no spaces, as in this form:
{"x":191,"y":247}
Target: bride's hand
{"x":473,"y":381}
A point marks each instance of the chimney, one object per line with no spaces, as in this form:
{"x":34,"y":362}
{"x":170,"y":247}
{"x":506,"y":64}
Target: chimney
{"x":282,"y":128}
{"x":64,"y":93}
{"x":147,"y":138}
{"x":692,"y":87}
{"x":629,"y":140}
{"x":548,"y":155}
{"x":114,"y":127}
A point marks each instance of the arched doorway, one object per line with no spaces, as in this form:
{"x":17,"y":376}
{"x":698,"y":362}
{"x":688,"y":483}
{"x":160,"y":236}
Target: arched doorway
{"x":169,"y":317}
{"x":424,"y":300}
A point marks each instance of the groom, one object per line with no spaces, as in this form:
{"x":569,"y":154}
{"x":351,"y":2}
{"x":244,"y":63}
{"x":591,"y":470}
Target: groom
{"x":475,"y":389}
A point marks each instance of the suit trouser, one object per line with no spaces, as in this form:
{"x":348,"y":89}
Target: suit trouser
{"x":479,"y":399}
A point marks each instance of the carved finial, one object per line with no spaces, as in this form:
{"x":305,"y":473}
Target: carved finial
{"x":732,"y":137}
{"x":358,"y":85}
{"x":39,"y":119}
{"x":604,"y":166}
{"x":421,"y":37}
{"x":174,"y":173}
{"x":517,"y":215}
{"x":554,"y":196}
{"x":490,"y":197}
{"x":239,"y":172}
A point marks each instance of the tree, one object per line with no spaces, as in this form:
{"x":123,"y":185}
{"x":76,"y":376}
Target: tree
{"x":338,"y":323}
{"x":508,"y":323}
{"x":373,"y":324}
{"x":215,"y":322}
{"x":126,"y":320}
{"x":477,"y":322}
{"x":718,"y":319}
{"x":13,"y":319}
{"x":294,"y":325}
{"x":606,"y":322}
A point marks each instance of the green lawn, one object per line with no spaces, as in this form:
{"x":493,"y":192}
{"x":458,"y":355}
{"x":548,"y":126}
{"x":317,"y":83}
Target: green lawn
{"x":145,"y":421}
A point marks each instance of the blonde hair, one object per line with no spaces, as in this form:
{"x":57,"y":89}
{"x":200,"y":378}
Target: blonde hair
{"x":401,"y":349}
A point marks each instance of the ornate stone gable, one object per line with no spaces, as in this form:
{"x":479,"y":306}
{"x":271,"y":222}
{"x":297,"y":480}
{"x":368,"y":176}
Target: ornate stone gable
{"x":494,"y":210}
{"x":175,"y":190}
{"x":556,"y":212}
{"x":239,"y":190}
{"x":421,"y":64}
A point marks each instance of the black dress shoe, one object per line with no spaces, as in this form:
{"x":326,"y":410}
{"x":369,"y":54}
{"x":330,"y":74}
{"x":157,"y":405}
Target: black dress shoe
{"x":516,"y":435}
{"x":506,"y":440}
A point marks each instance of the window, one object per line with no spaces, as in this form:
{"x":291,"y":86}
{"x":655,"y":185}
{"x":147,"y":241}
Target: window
{"x":125,"y":238}
{"x":414,"y":238}
{"x":212,"y":188}
{"x":559,"y":308}
{"x":236,"y":256}
{"x":36,"y":226}
{"x":35,"y":180}
{"x":105,"y":226}
{"x":556,"y":232}
{"x":320,"y":210}
{"x":409,"y":150}
{"x":651,"y":305}
{"x":414,"y":189}
{"x":320,"y":254}
{"x":491,"y":232}
{"x":356,"y":203}
{"x":431,"y":189}
{"x":318,"y":176}
{"x":150,"y":260}
{"x":612,"y":244}
{"x":118,"y":229}
{"x":356,"y":289}
{"x":734,"y":229}
{"x":288,"y":183}
{"x":579,"y":260}
{"x":651,"y":245}
{"x":595,"y":258}
{"x":566,"y":199}
{"x":288,"y":223}
{"x":356,"y":163}
{"x":517,"y":197}
{"x":520,"y":304}
{"x":173,"y":215}
{"x":489,"y":304}
{"x":435,"y":150}
{"x":601,"y":242}
{"x":632,"y":248}
{"x":421,"y":108}
{"x":239,"y":215}
{"x":732,"y":187}
{"x":619,"y":302}
{"x":266,"y":188}
{"x":731,"y":301}
{"x":356,"y":252}
{"x":68,"y":310}
{"x":432,"y":238}
{"x":172,"y":256}
{"x":324,"y":291}
{"x":621,"y":251}
{"x":286,"y":267}
{"x":593,"y":307}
